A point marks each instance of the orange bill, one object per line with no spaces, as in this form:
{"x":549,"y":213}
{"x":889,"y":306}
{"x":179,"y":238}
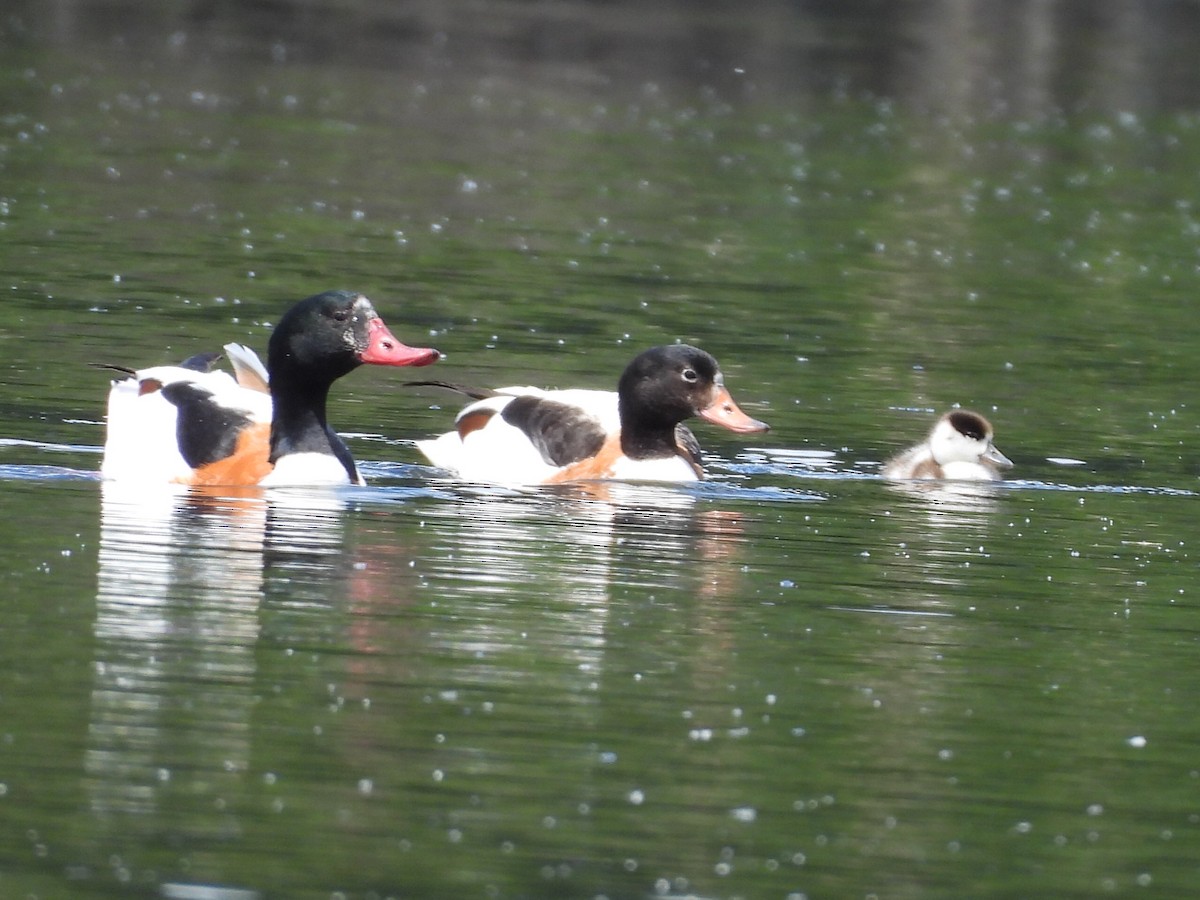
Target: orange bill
{"x":724,"y":412}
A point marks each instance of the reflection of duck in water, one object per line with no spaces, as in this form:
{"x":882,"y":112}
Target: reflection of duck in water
{"x":180,"y":424}
{"x":530,"y":436}
{"x":959,"y":447}
{"x":569,"y":553}
{"x":172,"y":612}
{"x":183,"y":576}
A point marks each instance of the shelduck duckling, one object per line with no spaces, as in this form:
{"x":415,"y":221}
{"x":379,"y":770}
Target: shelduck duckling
{"x":523,"y":435}
{"x":959,"y":447}
{"x":187,"y":425}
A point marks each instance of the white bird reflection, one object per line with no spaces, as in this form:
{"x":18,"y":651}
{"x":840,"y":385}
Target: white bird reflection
{"x":570,"y":552}
{"x":518,"y":611}
{"x":177,"y":620}
{"x":948,"y":497}
{"x":948,"y":524}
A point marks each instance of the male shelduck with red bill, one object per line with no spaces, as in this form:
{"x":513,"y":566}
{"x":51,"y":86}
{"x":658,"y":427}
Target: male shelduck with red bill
{"x":187,"y":425}
{"x":530,"y":436}
{"x":960,"y":447}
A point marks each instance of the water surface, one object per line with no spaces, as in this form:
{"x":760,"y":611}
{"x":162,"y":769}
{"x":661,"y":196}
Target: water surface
{"x":792,"y":680}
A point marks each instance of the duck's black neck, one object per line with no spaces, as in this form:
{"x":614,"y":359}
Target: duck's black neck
{"x":298,"y":425}
{"x":644,"y":437}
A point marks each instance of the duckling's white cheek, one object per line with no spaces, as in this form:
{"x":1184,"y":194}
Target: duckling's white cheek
{"x":961,"y":448}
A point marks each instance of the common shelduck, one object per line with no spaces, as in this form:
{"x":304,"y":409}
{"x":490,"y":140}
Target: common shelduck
{"x":187,"y":425}
{"x":959,"y":447}
{"x":525,"y":435}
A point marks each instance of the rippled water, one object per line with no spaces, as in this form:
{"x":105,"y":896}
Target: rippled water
{"x":791,"y":680}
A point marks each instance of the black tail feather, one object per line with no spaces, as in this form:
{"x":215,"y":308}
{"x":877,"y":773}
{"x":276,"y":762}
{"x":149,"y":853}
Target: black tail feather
{"x":124,"y":370}
{"x":201,"y":362}
{"x":473,"y":392}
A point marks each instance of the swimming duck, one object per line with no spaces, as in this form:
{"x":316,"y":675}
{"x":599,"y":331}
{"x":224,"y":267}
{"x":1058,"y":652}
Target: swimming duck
{"x":525,"y":435}
{"x":266,"y":426}
{"x":959,"y":447}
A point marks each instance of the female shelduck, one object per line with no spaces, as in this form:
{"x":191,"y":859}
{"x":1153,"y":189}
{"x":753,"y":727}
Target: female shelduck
{"x":959,"y":447}
{"x":523,"y":435}
{"x":187,"y":425}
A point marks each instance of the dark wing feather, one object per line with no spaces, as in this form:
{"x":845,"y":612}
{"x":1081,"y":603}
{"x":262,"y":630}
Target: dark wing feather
{"x":202,"y":362}
{"x":562,"y":433}
{"x":205,"y":430}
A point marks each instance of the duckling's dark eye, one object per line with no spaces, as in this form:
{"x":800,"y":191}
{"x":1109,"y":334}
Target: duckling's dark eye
{"x":690,"y":376}
{"x":341,"y":315}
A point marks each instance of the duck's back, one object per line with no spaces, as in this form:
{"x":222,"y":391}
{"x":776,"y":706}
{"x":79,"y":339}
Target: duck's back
{"x":524,"y":435}
{"x":143,"y":440}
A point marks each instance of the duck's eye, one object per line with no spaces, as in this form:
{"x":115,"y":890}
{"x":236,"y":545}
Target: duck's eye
{"x":341,"y":315}
{"x":690,"y":376}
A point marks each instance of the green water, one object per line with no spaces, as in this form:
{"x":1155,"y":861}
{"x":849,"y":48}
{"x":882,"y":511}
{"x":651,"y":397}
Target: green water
{"x":793,"y":680}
